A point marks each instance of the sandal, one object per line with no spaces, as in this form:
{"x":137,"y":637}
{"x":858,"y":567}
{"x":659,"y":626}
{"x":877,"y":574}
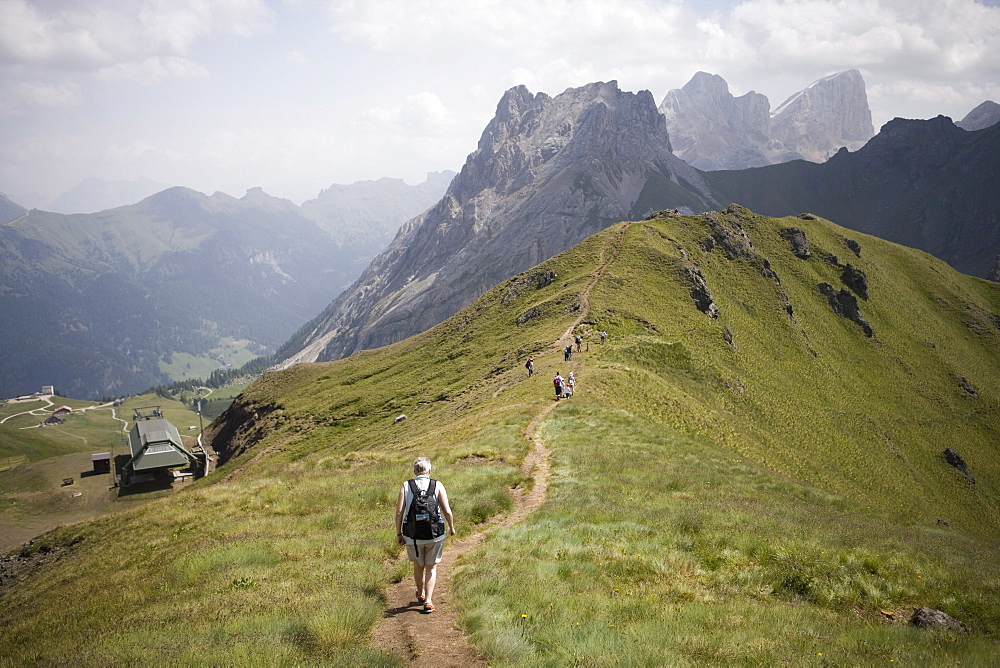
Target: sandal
{"x":420,"y":597}
{"x":428,"y":607}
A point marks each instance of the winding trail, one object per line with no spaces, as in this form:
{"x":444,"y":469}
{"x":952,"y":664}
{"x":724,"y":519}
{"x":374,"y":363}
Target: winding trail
{"x":437,"y":639}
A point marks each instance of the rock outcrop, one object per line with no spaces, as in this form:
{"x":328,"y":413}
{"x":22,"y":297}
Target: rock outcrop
{"x":845,"y":305}
{"x":930,"y":618}
{"x":956,"y":460}
{"x":713,"y":130}
{"x":548,"y":172}
{"x":798,"y":241}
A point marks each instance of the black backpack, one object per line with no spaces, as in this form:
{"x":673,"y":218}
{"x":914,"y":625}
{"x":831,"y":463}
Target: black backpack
{"x":423,"y":520}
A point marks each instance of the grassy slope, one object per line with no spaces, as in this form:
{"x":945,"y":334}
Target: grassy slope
{"x":709,"y":503}
{"x":760,"y":505}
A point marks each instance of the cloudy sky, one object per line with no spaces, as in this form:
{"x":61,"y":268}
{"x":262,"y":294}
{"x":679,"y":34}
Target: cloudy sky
{"x":294,"y":95}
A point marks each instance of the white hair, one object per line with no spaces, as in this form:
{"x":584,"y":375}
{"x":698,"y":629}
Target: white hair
{"x":422,"y":465}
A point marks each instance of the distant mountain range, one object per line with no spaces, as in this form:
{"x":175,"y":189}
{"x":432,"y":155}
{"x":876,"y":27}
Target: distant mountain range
{"x":92,"y":195}
{"x":711,"y":129}
{"x":95,"y":302}
{"x":92,"y":303}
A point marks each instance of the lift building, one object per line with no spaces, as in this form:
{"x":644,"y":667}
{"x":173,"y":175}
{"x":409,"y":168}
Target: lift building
{"x":157,"y":447}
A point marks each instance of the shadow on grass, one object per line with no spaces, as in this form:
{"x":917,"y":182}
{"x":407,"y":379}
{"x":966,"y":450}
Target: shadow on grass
{"x":161,"y":480}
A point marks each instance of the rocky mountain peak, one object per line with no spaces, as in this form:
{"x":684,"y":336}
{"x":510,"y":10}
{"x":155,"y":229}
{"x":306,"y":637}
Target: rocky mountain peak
{"x":712,"y":130}
{"x":706,"y":84}
{"x":828,"y":114}
{"x":548,"y":172}
{"x":530,"y":130}
{"x":983,"y":116}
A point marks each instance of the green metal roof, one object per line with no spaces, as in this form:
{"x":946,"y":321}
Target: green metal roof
{"x":156,"y":444}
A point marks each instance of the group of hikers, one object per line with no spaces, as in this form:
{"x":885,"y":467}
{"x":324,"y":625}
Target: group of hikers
{"x":422,"y":507}
{"x":564,"y":387}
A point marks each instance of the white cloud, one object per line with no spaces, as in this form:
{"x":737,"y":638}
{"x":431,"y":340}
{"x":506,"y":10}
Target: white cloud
{"x":155,"y":70}
{"x":400,"y":87}
{"x":42,"y":95}
{"x":932,"y":37}
{"x":100,"y":34}
{"x":422,"y":114}
{"x":562,"y":42}
{"x":296,"y":57}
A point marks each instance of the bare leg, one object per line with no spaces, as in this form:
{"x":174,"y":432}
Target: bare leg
{"x":430,"y":577}
{"x":418,"y":579}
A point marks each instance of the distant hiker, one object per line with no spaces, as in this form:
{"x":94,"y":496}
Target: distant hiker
{"x":419,"y":525}
{"x":558,"y":383}
{"x":604,"y":335}
{"x":570,"y":385}
{"x":567,"y":353}
{"x":530,"y":366}
{"x":579,"y":343}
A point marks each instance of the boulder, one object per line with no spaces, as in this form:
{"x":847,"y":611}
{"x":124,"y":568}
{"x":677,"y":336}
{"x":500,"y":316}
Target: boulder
{"x":930,"y":618}
{"x":798,"y":241}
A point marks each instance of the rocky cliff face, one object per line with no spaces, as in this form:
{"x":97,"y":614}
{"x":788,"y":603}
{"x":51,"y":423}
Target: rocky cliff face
{"x":712,"y":130}
{"x":983,"y":116}
{"x":548,"y":172}
{"x":831,"y":113}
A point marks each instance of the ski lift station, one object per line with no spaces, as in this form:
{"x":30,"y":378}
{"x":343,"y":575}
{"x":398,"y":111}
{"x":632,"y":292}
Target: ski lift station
{"x":157,"y":449}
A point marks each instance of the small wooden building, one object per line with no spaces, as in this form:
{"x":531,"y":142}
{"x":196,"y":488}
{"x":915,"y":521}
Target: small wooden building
{"x":101,"y":462}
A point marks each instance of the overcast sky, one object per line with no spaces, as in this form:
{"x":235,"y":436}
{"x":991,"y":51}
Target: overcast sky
{"x":296,"y":95}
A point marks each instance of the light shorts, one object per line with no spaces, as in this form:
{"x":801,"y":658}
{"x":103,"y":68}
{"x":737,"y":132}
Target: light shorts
{"x":430,"y":553}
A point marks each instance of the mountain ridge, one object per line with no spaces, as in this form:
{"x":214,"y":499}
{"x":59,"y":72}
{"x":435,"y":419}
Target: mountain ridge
{"x":926,"y":184}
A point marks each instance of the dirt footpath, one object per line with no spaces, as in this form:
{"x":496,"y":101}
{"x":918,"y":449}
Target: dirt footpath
{"x":436,"y":639}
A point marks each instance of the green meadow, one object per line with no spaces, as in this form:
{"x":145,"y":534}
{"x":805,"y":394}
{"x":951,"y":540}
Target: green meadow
{"x":231,"y":352}
{"x":780,"y":499}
